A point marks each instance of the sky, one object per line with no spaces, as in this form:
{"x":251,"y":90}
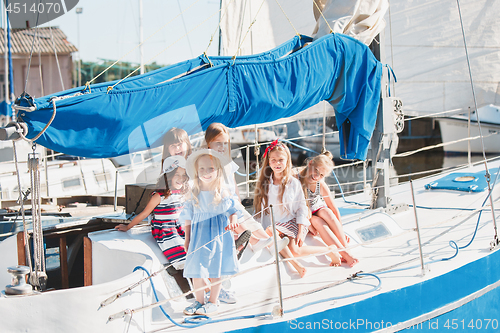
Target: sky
{"x":109,"y":29}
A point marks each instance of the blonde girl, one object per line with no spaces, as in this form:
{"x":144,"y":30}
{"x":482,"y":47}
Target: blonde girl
{"x":325,"y":219}
{"x":208,"y":216}
{"x":165,"y":206}
{"x":276,"y":186}
{"x":217,"y":138}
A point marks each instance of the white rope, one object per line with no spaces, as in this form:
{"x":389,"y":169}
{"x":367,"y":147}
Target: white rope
{"x":21,"y":202}
{"x":38,"y":246}
{"x":408,"y":153}
{"x":432,"y":115}
{"x":53,"y":100}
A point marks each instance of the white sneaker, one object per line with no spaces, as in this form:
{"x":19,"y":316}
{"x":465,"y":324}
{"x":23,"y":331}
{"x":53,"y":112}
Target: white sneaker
{"x":225,"y":296}
{"x":191,"y":310}
{"x":207,"y":309}
{"x":282,"y":243}
{"x":262,"y":243}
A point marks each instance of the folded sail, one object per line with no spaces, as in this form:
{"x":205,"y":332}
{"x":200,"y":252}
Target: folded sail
{"x":135,"y":114}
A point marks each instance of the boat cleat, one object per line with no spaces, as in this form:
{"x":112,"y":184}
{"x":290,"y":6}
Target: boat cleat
{"x":494,"y":243}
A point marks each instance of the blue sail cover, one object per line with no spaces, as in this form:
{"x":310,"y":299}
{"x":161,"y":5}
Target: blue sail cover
{"x":280,"y":83}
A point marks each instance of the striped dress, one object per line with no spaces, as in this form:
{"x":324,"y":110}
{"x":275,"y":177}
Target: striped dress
{"x":167,"y":231}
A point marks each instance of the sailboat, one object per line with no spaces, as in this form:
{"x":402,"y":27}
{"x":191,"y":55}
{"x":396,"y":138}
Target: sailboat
{"x":428,"y":249}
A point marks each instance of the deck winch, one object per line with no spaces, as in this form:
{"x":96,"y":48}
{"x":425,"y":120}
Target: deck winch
{"x":19,"y":285}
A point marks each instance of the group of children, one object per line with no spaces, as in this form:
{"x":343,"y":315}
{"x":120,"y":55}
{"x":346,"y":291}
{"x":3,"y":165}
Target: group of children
{"x":196,"y":209}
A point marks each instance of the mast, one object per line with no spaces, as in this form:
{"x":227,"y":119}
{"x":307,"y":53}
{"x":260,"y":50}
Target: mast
{"x":78,"y":11}
{"x":383,"y":136}
{"x":6,"y":62}
{"x":141,"y":38}
{"x":220,"y":31}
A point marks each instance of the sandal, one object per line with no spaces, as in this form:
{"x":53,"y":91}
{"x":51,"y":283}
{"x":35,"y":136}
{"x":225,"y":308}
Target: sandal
{"x":243,"y":240}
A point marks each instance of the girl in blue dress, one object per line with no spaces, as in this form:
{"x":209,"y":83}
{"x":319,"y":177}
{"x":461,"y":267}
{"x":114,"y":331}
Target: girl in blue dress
{"x":208,"y":217}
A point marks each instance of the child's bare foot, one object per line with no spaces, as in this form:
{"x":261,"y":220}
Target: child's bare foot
{"x":335,"y":259}
{"x":348,"y":259}
{"x":302,"y":271}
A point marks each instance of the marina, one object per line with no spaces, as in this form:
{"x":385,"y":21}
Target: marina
{"x":79,"y":251}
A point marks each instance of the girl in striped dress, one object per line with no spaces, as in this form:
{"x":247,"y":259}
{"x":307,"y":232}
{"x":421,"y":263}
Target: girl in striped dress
{"x":277,"y":187}
{"x":165,"y":204}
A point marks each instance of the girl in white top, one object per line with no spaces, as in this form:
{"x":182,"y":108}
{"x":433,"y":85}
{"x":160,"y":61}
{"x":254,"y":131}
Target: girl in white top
{"x":217,"y":138}
{"x":276,"y":186}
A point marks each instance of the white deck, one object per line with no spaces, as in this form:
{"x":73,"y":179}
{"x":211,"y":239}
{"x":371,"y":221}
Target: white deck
{"x":257,"y":292}
{"x":115,"y":254}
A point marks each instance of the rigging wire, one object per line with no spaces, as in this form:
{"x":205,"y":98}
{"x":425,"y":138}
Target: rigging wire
{"x":289,"y":21}
{"x":31,"y":51}
{"x":185,"y":29}
{"x":487,"y":173}
{"x":242,"y":21}
{"x":135,"y":70}
{"x":57,"y":58}
{"x":248,"y":30}
{"x":323,"y":16}
{"x":218,"y":26}
{"x":117,"y":61}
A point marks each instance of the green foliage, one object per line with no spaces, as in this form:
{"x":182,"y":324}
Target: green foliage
{"x":89,"y":70}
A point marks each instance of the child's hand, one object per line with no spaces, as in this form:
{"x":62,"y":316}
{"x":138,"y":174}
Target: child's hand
{"x":186,"y":245}
{"x":233,"y":222}
{"x":301,"y":236}
{"x":121,"y":227}
{"x":232,"y":226}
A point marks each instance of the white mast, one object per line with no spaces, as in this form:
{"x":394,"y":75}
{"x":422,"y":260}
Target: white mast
{"x":141,"y":37}
{"x":78,"y":11}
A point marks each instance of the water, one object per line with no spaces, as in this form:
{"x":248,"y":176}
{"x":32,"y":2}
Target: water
{"x":418,"y":165}
{"x":415,"y":166}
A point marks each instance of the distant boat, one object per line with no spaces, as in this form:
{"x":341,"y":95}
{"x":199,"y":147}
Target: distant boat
{"x":456,"y":128}
{"x":64,"y":178}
